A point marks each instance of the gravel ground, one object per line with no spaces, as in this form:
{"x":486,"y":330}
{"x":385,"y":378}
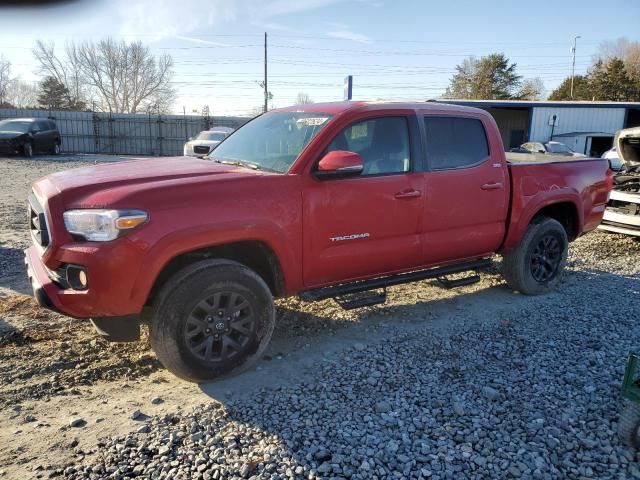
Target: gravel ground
{"x":472,"y":383}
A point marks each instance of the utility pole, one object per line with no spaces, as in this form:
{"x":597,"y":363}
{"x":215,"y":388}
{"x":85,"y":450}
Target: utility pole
{"x":266,"y":90}
{"x":573,"y":63}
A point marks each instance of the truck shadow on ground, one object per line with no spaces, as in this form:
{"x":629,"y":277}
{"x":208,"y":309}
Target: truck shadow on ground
{"x":340,"y":412}
{"x":302,"y":338}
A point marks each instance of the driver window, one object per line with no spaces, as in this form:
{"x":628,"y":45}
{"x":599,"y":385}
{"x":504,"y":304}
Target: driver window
{"x":383,"y":144}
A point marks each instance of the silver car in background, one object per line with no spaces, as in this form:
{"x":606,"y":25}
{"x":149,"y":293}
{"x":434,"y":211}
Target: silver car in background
{"x":203,"y":143}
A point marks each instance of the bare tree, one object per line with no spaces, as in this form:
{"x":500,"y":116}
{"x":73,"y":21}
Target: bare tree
{"x":123,"y":77}
{"x":127,"y":76}
{"x":303,"y":98}
{"x":65,"y":70}
{"x":22,"y":94}
{"x":624,"y":49}
{"x":532,"y":89}
{"x":5,"y":79}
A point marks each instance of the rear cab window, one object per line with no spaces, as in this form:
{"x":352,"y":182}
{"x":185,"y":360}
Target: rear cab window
{"x":454,"y":142}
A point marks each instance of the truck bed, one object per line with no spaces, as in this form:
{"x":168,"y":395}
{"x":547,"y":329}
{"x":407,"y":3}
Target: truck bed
{"x":581,"y":183}
{"x":537,"y":158}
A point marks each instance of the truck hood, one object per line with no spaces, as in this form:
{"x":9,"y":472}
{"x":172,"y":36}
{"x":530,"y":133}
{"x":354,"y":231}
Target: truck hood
{"x":628,"y":146}
{"x":138,"y":174}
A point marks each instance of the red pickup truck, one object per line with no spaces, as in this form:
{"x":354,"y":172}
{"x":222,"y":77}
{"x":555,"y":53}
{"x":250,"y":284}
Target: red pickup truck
{"x":335,"y":200}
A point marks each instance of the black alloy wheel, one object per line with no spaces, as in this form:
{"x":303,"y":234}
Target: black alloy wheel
{"x":546,"y":258}
{"x":220,"y":326}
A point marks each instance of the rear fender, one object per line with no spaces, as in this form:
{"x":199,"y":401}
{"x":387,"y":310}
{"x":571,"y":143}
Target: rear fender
{"x":532,"y":205}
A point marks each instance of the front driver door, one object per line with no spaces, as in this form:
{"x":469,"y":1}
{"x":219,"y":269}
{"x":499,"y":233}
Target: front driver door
{"x":366,"y":225}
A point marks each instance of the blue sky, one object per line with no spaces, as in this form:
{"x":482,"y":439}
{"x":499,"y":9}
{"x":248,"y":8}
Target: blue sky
{"x":395,"y":49}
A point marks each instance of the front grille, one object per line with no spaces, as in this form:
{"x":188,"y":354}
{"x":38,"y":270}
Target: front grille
{"x":201,"y":149}
{"x":38,"y":222}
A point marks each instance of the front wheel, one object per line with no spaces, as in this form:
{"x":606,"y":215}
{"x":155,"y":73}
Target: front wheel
{"x":536,"y":264}
{"x":212,"y":319}
{"x":28,"y":150}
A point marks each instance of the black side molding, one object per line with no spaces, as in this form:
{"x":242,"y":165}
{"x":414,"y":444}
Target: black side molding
{"x":381,"y":282}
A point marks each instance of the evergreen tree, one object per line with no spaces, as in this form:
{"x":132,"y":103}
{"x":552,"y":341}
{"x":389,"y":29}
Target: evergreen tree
{"x":490,"y":78}
{"x":581,"y":89}
{"x":53,"y":94}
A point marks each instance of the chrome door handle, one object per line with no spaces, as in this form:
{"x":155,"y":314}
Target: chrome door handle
{"x":409,"y":194}
{"x":491,"y":186}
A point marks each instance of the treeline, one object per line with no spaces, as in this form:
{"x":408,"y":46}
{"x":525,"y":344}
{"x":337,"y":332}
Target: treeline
{"x":613,"y":76}
{"x":106,"y":75}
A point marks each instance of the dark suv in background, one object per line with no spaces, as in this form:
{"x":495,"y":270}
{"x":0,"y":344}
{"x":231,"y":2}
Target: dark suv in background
{"x":28,"y":136}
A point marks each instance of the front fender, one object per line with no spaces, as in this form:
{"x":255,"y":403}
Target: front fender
{"x":182,"y":241}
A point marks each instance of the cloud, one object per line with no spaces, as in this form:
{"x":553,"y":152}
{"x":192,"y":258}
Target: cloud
{"x":274,"y":26}
{"x":373,"y":3}
{"x":349,"y":35}
{"x":199,"y":40}
{"x":168,"y":18}
{"x":339,"y":26}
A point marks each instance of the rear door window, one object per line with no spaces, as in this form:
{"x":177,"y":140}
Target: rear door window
{"x":455,"y":142}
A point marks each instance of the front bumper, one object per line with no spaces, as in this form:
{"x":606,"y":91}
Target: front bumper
{"x":622,"y":214}
{"x":49,"y":294}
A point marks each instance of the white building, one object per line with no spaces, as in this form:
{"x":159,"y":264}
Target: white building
{"x":586,"y":127}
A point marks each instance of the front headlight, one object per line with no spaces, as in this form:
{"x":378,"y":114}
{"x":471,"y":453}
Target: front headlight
{"x":102,"y":225}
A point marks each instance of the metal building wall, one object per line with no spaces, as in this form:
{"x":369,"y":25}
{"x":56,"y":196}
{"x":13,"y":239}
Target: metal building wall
{"x":585,"y":119}
{"x":125,"y":134}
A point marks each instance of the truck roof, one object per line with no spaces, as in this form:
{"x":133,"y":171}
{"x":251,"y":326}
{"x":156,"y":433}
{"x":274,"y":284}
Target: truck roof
{"x":335,"y":108}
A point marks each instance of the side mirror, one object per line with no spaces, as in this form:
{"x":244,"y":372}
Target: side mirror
{"x":340,"y":163}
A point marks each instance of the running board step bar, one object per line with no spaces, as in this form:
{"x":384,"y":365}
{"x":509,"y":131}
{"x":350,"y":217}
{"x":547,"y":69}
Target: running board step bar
{"x":458,"y":282}
{"x":382,"y":282}
{"x":362,"y":299}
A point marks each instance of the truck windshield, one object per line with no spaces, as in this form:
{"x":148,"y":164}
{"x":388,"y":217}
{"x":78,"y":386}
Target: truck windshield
{"x":272,"y":141}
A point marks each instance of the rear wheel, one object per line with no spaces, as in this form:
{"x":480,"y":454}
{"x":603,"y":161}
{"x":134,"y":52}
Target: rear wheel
{"x":535,"y":266}
{"x":55,"y":150}
{"x":212,"y":319}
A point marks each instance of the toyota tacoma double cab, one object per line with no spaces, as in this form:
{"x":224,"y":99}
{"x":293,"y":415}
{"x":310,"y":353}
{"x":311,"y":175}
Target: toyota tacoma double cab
{"x":336,"y":200}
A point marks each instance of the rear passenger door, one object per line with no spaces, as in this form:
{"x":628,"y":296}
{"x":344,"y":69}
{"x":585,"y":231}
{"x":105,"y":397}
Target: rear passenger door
{"x":467,"y":189}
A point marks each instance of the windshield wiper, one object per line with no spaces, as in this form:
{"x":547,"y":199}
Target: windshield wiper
{"x":238,"y":163}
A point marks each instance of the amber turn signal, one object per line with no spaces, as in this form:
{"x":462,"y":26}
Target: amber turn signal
{"x":130,"y":221}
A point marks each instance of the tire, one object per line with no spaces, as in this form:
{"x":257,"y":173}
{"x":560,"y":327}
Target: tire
{"x":535,"y":266}
{"x":27,"y":149}
{"x":194,"y":332}
{"x":55,"y":150}
{"x":629,"y":424}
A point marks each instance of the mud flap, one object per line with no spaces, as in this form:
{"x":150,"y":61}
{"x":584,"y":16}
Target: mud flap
{"x":118,"y":329}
